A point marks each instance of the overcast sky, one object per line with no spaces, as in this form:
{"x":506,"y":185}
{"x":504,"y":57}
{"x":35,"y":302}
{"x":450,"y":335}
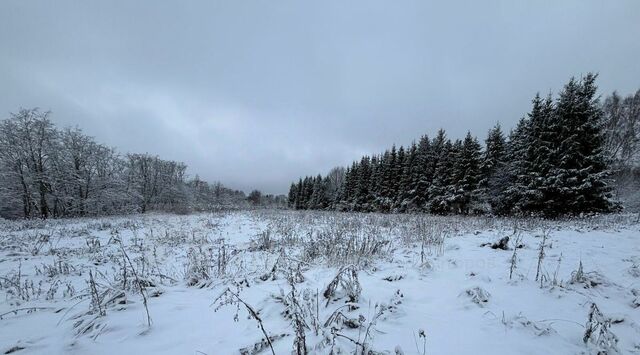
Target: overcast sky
{"x":257,"y":93}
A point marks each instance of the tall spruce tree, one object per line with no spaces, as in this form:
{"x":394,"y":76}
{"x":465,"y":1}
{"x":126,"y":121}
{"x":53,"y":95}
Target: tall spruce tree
{"x":391,"y":179}
{"x":299,"y":204}
{"x":291,"y":199}
{"x":386,"y":175}
{"x":307,"y":187}
{"x":375,"y":182}
{"x":579,"y":182}
{"x":363,"y":196}
{"x":493,"y":162}
{"x":466,"y":170}
{"x":509,"y":178}
{"x":441,"y":189}
{"x":540,"y":156}
{"x":350,"y":187}
{"x":317,"y":195}
{"x":422,"y":176}
{"x":398,"y":171}
{"x":409,"y":175}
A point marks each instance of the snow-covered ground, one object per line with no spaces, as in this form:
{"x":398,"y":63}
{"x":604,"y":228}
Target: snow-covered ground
{"x":327,"y":282}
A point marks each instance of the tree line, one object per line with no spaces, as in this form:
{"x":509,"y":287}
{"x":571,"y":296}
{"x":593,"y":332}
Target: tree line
{"x":562,"y":158}
{"x":51,"y":172}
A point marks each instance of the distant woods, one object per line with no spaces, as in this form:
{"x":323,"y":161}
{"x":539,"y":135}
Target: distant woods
{"x":49,"y":172}
{"x":571,"y":154}
{"x":564,"y":157}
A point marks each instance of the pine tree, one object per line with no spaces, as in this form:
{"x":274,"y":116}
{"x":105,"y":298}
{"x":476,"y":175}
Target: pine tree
{"x":398,"y":172}
{"x":299,"y":204}
{"x":307,"y":192}
{"x":349,"y":187}
{"x":385,"y":176}
{"x":424,"y":169}
{"x":509,"y":178}
{"x":442,"y":187}
{"x":291,"y":200}
{"x":466,"y":170}
{"x":317,"y":195}
{"x":391,"y":180}
{"x":540,"y":156}
{"x":409,"y":175}
{"x":493,"y":162}
{"x":363,"y":196}
{"x":579,"y":182}
{"x":341,"y":193}
{"x":375,"y":183}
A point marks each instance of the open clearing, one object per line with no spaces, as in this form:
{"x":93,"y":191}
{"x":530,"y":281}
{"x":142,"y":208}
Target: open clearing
{"x":347,"y":283}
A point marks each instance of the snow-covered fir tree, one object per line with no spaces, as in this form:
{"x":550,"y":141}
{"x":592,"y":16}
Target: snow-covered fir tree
{"x":493,"y":163}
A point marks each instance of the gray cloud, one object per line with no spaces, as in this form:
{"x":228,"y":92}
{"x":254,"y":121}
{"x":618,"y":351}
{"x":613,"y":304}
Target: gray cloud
{"x":257,"y":93}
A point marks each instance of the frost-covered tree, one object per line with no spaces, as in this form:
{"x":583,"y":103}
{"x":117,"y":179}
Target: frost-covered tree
{"x":154,"y":183}
{"x":363,"y":196}
{"x":29,"y":141}
{"x":335,"y":181}
{"x":46,"y":171}
{"x":318,"y":195}
{"x":622,"y":129}
{"x":540,"y":155}
{"x":255,"y":197}
{"x":493,"y":163}
{"x":509,"y":178}
{"x":622,"y":144}
{"x":579,"y":182}
{"x":292,"y":196}
{"x":442,"y":187}
{"x":465,"y":196}
{"x":423,"y":170}
{"x":410,"y":171}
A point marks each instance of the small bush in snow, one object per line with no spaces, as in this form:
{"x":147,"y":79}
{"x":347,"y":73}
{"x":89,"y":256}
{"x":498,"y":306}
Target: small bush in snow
{"x":587,"y":279}
{"x":477,"y":295}
{"x":347,"y":280}
{"x":598,"y":332}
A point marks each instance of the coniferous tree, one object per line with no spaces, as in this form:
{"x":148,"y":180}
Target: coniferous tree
{"x":299,"y":195}
{"x":509,"y":178}
{"x":579,"y":182}
{"x":453,"y":177}
{"x":340,"y":196}
{"x":409,"y":176}
{"x":441,"y":189}
{"x":307,"y":187}
{"x":384,"y":176}
{"x":425,"y":169}
{"x":291,"y":197}
{"x":363,"y":196}
{"x":493,"y":162}
{"x":540,"y":156}
{"x":349,"y":187}
{"x":390,"y":182}
{"x":328,"y":195}
{"x":398,"y":172}
{"x":317,"y":195}
{"x":376,"y":182}
{"x":467,"y":175}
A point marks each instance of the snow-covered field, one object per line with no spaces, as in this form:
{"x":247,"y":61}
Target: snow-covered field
{"x":327,"y":282}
